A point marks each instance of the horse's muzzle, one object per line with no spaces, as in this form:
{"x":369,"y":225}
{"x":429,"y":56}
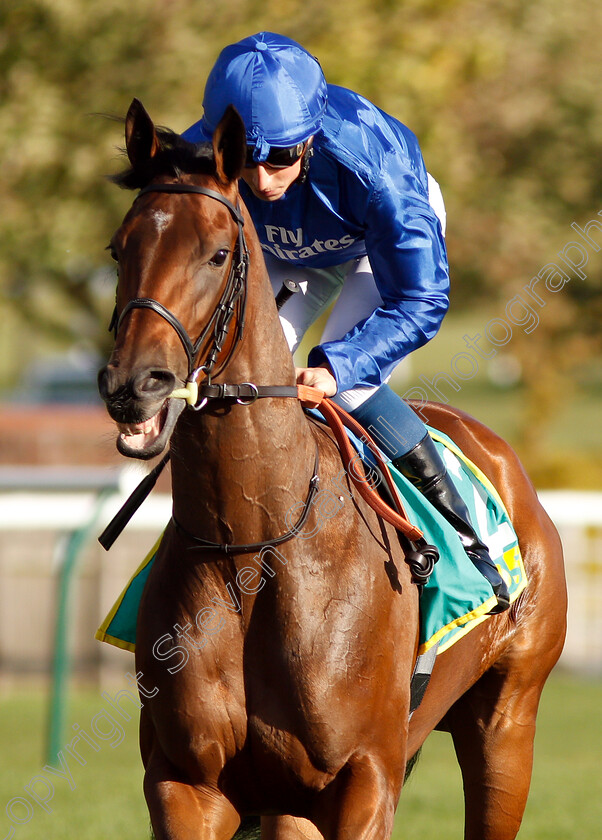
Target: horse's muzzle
{"x":150,"y":384}
{"x":140,"y":406}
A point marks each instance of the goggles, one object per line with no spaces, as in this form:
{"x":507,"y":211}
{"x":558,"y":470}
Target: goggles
{"x":278,"y":156}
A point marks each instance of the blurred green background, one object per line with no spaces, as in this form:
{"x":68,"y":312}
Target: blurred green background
{"x":503,"y":95}
{"x":505,"y":99}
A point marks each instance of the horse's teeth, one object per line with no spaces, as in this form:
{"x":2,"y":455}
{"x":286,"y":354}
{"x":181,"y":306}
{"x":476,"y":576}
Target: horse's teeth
{"x":129,"y":431}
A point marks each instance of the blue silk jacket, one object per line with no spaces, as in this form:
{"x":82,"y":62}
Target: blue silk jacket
{"x":366,"y":194}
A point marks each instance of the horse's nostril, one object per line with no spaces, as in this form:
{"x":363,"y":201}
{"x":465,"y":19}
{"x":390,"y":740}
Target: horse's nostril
{"x":119,"y":387}
{"x":154,"y":383}
{"x":162,"y":376}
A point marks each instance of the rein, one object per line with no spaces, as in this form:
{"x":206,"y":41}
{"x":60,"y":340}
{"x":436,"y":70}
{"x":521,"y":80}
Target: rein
{"x":421,"y":560}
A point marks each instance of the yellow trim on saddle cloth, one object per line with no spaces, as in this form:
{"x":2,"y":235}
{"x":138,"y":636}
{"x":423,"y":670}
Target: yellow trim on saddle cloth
{"x":118,"y":628}
{"x":449,"y":444}
{"x":102,"y":634}
{"x":517,"y":557}
{"x":512,"y":558}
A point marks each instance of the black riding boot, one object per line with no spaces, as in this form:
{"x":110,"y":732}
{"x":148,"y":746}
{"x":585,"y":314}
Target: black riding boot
{"x":424,"y":468}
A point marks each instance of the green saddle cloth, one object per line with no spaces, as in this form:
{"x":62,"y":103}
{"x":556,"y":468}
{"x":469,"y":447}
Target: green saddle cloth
{"x":455,"y":599}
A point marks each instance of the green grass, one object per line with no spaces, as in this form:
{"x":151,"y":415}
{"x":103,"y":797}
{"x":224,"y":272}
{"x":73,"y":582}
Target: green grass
{"x":107,"y":802}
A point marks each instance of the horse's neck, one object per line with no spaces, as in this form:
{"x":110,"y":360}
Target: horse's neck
{"x":238,"y":470}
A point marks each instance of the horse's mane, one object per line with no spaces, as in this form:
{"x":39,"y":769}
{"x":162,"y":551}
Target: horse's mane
{"x":175,"y":156}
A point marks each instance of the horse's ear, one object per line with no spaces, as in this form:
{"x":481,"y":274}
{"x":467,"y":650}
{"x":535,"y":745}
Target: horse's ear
{"x":140,"y":136}
{"x":229,"y":146}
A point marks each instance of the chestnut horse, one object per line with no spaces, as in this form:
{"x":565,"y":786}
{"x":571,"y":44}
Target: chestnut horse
{"x":276,"y":642}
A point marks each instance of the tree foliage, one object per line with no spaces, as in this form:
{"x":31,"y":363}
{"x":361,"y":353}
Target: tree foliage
{"x":503,"y":95}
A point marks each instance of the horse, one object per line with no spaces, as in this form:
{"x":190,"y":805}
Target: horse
{"x":275,"y":639}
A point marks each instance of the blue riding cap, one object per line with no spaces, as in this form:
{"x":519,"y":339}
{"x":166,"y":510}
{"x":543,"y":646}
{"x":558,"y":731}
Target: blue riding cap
{"x":277,"y":87}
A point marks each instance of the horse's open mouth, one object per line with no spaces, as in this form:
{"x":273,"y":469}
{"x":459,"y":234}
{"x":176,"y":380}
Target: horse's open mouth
{"x":147,"y":439}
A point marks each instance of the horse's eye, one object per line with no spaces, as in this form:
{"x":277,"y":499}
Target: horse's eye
{"x":113,"y":253}
{"x":219,"y":258}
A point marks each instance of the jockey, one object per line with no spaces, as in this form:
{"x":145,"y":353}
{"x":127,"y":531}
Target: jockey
{"x":344,"y":207}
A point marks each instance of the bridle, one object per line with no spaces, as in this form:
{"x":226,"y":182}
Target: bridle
{"x":421,"y":558}
{"x":233,"y":300}
{"x":234,"y":297}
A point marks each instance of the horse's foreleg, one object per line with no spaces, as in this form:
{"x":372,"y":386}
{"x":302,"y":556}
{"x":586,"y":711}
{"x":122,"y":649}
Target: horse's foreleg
{"x":359,"y":804}
{"x":493,"y":734}
{"x":180,"y":811}
{"x":288,"y":828}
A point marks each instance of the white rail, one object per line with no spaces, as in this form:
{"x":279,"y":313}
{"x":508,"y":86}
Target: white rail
{"x":63,"y":500}
{"x":35,"y":498}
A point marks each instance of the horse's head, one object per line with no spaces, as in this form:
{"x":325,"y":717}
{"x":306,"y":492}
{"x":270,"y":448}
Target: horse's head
{"x":181,"y":256}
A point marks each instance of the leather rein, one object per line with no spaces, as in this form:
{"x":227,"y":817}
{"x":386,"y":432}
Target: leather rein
{"x":197,"y":396}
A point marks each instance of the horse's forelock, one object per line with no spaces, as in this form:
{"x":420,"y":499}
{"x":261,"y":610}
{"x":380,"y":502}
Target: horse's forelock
{"x":175,"y":156}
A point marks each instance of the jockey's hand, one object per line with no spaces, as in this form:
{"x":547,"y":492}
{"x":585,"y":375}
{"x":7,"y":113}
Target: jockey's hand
{"x":317,"y":377}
